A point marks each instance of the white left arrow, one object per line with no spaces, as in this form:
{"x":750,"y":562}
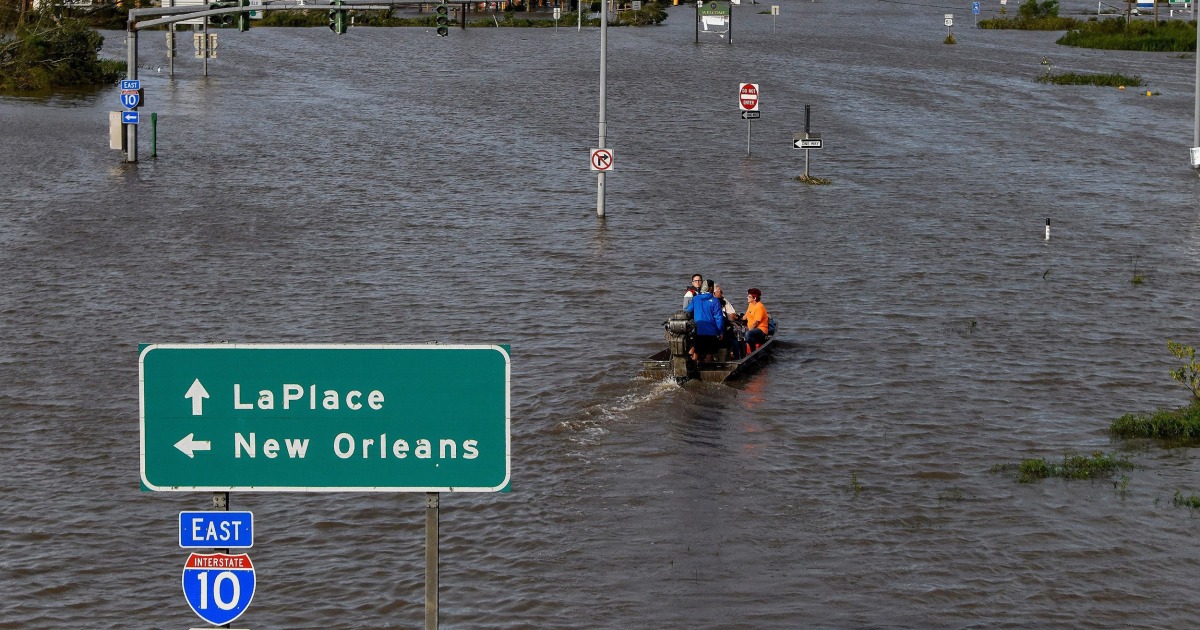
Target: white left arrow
{"x":197,"y":393}
{"x":189,"y":445}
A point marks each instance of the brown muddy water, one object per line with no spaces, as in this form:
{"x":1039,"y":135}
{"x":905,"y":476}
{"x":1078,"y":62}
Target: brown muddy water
{"x":389,"y":186}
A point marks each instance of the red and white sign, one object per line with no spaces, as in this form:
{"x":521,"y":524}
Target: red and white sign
{"x":748,"y":97}
{"x":602,"y":159}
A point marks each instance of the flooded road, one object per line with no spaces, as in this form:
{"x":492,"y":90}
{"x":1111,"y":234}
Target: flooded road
{"x":390,"y":186}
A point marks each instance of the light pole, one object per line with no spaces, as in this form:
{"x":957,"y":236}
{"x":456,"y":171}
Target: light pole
{"x":1195,"y":153}
{"x":603,"y":97}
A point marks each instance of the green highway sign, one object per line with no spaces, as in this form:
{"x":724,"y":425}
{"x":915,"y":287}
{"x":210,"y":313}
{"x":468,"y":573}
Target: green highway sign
{"x":384,"y":418}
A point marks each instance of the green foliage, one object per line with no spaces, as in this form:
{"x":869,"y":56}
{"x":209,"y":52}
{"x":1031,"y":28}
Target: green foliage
{"x":1187,"y":374}
{"x":650,"y":14}
{"x":48,"y":52}
{"x":1115,"y":34}
{"x":813,"y":181}
{"x":1192,"y":501}
{"x":1050,"y":23}
{"x":1173,"y":425}
{"x":295,"y":18}
{"x":1095,"y":466}
{"x":1031,"y":10}
{"x":1104,"y":80}
{"x":949,"y":40}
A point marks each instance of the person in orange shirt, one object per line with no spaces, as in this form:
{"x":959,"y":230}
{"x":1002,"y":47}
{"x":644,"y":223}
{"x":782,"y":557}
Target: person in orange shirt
{"x":756,"y":319}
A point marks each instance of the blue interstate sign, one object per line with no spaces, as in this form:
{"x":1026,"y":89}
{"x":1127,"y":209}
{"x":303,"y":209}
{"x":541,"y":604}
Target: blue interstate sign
{"x":218,"y":586}
{"x":216,"y":529}
{"x":130,"y":99}
{"x":131,"y":84}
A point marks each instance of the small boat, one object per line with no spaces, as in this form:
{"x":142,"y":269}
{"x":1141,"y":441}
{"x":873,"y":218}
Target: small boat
{"x":675,"y":362}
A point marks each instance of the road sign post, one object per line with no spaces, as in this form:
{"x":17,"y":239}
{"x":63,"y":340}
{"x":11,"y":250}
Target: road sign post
{"x":225,"y":417}
{"x":748,"y":104}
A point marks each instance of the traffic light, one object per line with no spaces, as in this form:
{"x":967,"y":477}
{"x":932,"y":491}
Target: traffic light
{"x":442,"y":19}
{"x":243,"y":18}
{"x":225,"y":19}
{"x":338,"y":18}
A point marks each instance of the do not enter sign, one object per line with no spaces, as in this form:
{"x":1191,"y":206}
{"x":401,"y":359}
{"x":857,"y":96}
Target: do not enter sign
{"x":748,"y":97}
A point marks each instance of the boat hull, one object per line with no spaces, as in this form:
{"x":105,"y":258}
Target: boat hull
{"x":658,"y":365}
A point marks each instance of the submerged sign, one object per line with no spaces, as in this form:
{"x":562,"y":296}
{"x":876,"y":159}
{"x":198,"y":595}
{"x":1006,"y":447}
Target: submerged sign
{"x":225,"y":417}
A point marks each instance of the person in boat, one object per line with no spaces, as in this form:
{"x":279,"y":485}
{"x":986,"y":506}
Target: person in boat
{"x":705,"y":310}
{"x":697,"y":284}
{"x":756,"y":320}
{"x":732,"y":341}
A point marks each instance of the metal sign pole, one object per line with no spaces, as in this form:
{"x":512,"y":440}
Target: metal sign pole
{"x":204,"y":30}
{"x":220,"y":501}
{"x":603,"y":98}
{"x":431,"y":560}
{"x":131,"y":73}
{"x":748,"y":123}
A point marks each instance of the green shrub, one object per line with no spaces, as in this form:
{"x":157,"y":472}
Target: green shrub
{"x":1095,"y":466}
{"x":1174,"y":425}
{"x":1104,"y":80}
{"x":1116,"y":34}
{"x":1187,"y":374}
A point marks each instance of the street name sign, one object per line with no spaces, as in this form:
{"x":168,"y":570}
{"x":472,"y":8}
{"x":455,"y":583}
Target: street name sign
{"x":323,"y":417}
{"x":216,"y":529}
{"x":218,"y":586}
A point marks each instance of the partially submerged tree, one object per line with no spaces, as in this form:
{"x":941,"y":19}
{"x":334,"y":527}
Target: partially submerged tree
{"x":43,"y":51}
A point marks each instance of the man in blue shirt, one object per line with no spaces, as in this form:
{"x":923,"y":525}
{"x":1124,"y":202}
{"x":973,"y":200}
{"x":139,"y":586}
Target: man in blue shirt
{"x":706,"y":310}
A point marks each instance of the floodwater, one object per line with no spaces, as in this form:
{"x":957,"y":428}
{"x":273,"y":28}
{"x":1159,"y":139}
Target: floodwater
{"x":390,"y":186}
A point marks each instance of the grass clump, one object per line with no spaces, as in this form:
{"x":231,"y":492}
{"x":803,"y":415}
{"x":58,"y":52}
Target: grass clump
{"x":1176,"y":426}
{"x":1098,"y":465}
{"x":1048,"y":23}
{"x":1116,"y":34}
{"x":950,"y":40}
{"x":1102,"y":80}
{"x":1191,"y":501}
{"x":813,"y":181}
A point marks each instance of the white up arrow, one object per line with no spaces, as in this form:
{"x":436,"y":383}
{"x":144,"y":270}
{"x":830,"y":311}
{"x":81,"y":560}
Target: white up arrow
{"x":197,"y":393}
{"x":189,"y":445}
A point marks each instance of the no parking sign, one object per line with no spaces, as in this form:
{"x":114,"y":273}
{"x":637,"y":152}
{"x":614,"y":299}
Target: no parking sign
{"x":218,"y":586}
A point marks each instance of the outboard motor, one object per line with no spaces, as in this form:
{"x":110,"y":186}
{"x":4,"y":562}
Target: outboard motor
{"x":680,"y":329}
